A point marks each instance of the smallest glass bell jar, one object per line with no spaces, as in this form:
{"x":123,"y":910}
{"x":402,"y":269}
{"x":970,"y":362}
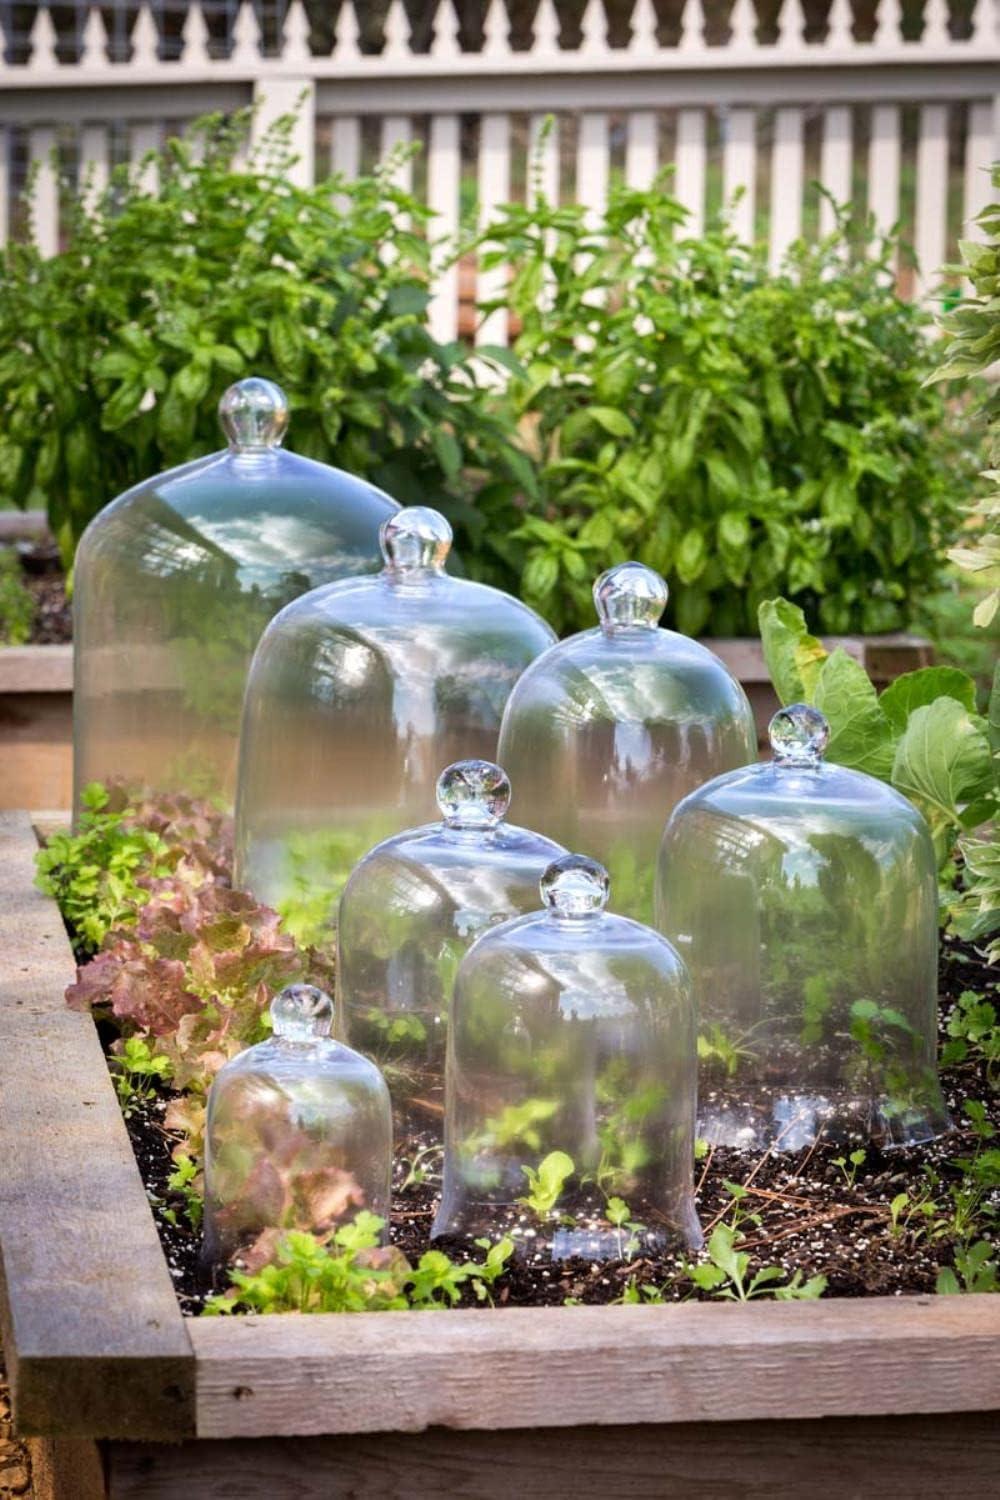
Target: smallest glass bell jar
{"x":298,"y":1135}
{"x":803,"y":898}
{"x":409,"y":913}
{"x":571,"y":1081}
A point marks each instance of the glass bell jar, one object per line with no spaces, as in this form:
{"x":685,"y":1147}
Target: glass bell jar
{"x":409,"y":913}
{"x":358,"y":694}
{"x":612,"y":727}
{"x":298,"y":1135}
{"x":803,"y":898}
{"x":175,"y":580}
{"x":571,"y":1079}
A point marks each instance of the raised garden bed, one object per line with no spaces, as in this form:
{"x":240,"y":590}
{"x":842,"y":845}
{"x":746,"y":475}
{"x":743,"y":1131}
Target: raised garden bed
{"x":133,"y":1398}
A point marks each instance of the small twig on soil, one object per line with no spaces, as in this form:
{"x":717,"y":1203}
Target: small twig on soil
{"x":704,"y":1171}
{"x":824,"y":1218}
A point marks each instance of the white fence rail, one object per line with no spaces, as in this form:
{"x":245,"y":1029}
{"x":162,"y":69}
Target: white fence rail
{"x":905,"y":127}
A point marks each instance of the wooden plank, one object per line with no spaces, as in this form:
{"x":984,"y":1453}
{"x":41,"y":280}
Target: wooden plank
{"x":690,"y":1362}
{"x":95,"y":1341}
{"x":66,"y":1469}
{"x":36,"y":750}
{"x":36,"y":669}
{"x":899,"y":1458}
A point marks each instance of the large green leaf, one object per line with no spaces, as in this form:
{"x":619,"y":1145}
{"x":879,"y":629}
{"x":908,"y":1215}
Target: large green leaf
{"x":861,"y":736}
{"x":914,"y":689}
{"x":943,"y":760}
{"x":793,"y":656}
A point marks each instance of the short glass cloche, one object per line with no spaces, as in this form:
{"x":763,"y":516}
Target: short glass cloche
{"x":298,"y":1135}
{"x":409,"y":913}
{"x":612,"y":727}
{"x":571,"y":1080}
{"x":175,"y":580}
{"x":803,"y":898}
{"x":358,"y":694}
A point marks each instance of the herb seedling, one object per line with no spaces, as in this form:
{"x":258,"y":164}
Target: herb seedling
{"x":618,"y":1213}
{"x":547,"y":1183}
{"x":850,"y":1166}
{"x":419,"y":1169}
{"x":135,"y":1068}
{"x":725,"y":1274}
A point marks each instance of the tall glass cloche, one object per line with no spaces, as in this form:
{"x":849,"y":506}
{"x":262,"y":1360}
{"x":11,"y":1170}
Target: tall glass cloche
{"x":409,"y":913}
{"x":358,"y":694}
{"x":175,"y":580}
{"x":571,"y":1080}
{"x":611,"y":728}
{"x":803,"y":898}
{"x":298,"y":1135}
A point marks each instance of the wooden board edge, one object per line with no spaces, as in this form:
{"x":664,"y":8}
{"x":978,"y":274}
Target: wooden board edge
{"x":36,"y":669}
{"x":96,"y":1342}
{"x":524,"y":1368}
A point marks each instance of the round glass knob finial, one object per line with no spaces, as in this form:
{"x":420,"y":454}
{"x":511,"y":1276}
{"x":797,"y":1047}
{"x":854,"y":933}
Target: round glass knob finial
{"x":575,"y":886}
{"x":254,"y":414}
{"x":414,"y":539}
{"x":301,"y":1013}
{"x":473,"y":794}
{"x":799,"y":735}
{"x":628,"y":595}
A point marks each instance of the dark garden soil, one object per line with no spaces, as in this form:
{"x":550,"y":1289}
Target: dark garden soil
{"x":45,"y":581}
{"x":800,"y":1211}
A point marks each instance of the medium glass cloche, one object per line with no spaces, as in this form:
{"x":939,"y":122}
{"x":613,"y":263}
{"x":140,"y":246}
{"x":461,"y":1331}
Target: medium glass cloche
{"x":608,"y":730}
{"x":298,"y":1135}
{"x":803,"y":898}
{"x":358,"y":694}
{"x":175,"y":580}
{"x":409,"y":913}
{"x":571,"y":1080}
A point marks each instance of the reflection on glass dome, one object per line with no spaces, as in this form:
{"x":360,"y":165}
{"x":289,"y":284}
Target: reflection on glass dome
{"x":611,"y":728}
{"x":803,"y":898}
{"x":409,"y":913}
{"x":358,"y":694}
{"x":571,"y":1052}
{"x":298,"y":1135}
{"x":175,"y":580}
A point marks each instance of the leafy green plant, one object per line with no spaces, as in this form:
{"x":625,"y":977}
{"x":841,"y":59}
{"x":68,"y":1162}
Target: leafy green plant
{"x":516,"y":1125}
{"x":618,"y":1213}
{"x":974,"y":1032}
{"x":974,"y":326}
{"x":94,"y":874}
{"x":102,"y":383}
{"x":850,"y":1166}
{"x":725,"y":1273}
{"x":17,"y":608}
{"x":546,"y":1183}
{"x":922,"y":733}
{"x":975,"y":1270}
{"x":351,"y":1271}
{"x":741,"y":431}
{"x":187,"y":1181}
{"x":135,"y":1067}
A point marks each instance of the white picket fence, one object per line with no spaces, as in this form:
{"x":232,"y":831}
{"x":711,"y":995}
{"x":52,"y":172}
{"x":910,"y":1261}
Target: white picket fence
{"x":915,"y":121}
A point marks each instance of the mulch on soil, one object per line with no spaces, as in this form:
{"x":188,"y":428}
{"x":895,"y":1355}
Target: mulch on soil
{"x":799,"y":1210}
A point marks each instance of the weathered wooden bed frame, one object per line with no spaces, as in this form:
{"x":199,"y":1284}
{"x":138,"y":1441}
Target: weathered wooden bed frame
{"x":125,"y":1397}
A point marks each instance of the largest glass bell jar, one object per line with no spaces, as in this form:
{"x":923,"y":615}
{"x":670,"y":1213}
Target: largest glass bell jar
{"x":803,"y":899}
{"x":612,"y":727}
{"x":175,"y":580}
{"x":358,"y":694}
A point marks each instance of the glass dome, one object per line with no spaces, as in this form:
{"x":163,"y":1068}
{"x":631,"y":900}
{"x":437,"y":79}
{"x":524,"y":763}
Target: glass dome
{"x":612,"y":727}
{"x":175,"y":580}
{"x":358,"y":694}
{"x":409,"y":913}
{"x":298,"y":1134}
{"x":572,"y":1067}
{"x":803,"y":898}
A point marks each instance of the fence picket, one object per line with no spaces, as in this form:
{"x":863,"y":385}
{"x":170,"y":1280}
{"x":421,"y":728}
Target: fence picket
{"x":194,"y":37}
{"x":94,"y":42}
{"x":45,"y":200}
{"x":689,"y":166}
{"x":787,"y":162}
{"x":739,"y":170}
{"x":94,"y":161}
{"x":42,"y":41}
{"x":4,"y":179}
{"x":642,"y":148}
{"x":836,"y":159}
{"x":592,"y":162}
{"x":982,"y":148}
{"x":884,"y":157}
{"x":494,"y":190}
{"x":443,"y":174}
{"x":930,"y":233}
